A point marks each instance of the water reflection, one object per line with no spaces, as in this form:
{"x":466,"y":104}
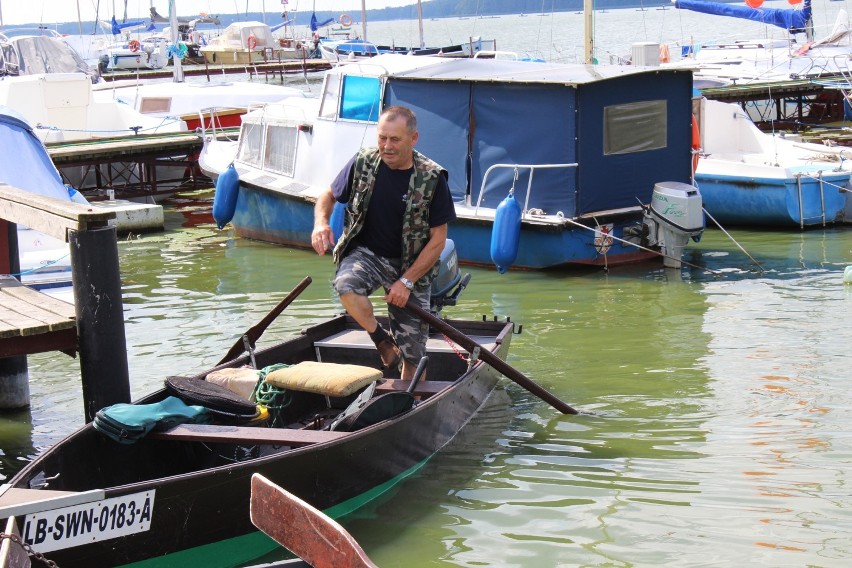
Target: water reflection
{"x":714,"y":425}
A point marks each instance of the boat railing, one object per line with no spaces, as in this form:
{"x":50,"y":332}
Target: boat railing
{"x":517,"y":168}
{"x":209,"y":119}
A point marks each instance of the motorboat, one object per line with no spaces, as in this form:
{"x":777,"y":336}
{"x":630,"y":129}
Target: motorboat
{"x":505,"y":131}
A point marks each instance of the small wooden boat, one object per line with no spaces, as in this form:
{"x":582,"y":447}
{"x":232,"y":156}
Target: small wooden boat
{"x":181,"y":496}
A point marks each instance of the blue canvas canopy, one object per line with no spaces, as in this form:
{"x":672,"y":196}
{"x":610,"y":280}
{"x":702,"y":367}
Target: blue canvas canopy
{"x":792,"y":20}
{"x":476,"y":113}
{"x":29,"y":167}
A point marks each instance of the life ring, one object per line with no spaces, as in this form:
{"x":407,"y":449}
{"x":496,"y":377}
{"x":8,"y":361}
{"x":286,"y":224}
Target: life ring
{"x":696,"y":144}
{"x":345,"y":20}
{"x":251,"y":41}
{"x":134,"y":45}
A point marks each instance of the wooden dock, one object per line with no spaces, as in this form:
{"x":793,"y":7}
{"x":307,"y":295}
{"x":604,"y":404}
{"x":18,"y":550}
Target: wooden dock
{"x":797,"y":104}
{"x":129,"y":164}
{"x":33,"y":322}
{"x":264,"y":69}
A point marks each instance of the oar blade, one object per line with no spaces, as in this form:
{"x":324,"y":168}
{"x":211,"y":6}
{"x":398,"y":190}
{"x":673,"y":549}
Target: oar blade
{"x":303,"y":530}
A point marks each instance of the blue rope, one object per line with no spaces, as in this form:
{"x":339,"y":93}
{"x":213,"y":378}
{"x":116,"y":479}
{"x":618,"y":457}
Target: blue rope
{"x":46,"y":264}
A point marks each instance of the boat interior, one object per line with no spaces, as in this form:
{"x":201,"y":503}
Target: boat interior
{"x":294,"y":419}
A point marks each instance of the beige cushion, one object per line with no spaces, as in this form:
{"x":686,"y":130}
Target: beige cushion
{"x":241,"y":381}
{"x":332,"y":379}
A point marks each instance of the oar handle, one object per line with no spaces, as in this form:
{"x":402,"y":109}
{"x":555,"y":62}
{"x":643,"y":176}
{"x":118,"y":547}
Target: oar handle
{"x":496,"y":362}
{"x":253,"y":334}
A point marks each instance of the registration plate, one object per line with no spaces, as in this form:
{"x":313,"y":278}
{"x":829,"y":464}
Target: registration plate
{"x":90,"y":522}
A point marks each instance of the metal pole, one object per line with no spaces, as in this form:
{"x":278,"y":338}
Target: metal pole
{"x":100,"y":318}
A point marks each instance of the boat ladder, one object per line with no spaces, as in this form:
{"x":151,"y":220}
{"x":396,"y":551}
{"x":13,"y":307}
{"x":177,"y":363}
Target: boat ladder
{"x":802,"y":217}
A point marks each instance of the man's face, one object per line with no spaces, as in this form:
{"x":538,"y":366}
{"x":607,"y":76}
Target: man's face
{"x":396,"y":144}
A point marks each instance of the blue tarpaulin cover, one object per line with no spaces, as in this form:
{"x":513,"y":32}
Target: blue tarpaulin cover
{"x":29,"y":167}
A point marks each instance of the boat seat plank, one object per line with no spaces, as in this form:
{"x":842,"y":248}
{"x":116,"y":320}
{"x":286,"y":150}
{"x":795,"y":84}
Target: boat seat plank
{"x":358,"y":339}
{"x":245,"y":435}
{"x":423,"y":389}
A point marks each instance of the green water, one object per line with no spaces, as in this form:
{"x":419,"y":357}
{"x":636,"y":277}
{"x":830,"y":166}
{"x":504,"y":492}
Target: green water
{"x":715,"y":405}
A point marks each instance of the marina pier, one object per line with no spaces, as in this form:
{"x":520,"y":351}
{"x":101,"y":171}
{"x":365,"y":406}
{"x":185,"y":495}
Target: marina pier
{"x":32,"y":324}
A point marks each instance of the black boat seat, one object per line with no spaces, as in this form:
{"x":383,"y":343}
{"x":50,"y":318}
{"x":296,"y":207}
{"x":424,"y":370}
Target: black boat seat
{"x":245,"y":435}
{"x":328,"y":379}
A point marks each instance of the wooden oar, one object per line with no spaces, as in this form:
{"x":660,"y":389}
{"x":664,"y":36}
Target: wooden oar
{"x":497,"y":363}
{"x":255,"y":332}
{"x":303,"y":530}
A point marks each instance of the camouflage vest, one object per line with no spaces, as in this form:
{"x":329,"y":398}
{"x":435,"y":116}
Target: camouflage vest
{"x":415,"y":224}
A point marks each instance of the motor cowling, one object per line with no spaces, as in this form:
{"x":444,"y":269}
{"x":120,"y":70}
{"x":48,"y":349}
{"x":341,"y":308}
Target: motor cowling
{"x":448,"y":284}
{"x":675,"y":215}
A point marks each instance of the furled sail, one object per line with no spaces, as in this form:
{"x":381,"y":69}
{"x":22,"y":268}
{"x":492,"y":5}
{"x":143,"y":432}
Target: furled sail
{"x":792,"y":20}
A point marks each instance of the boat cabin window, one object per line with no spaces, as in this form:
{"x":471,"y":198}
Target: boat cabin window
{"x":635,"y":127}
{"x":251,"y":141}
{"x":351,"y":97}
{"x":280,"y":154}
{"x":330,"y":96}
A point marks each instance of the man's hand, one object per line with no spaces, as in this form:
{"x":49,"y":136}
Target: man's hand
{"x":397,"y":294}
{"x":322,"y":239}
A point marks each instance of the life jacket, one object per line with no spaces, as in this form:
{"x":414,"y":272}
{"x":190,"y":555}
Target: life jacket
{"x":415,"y":223}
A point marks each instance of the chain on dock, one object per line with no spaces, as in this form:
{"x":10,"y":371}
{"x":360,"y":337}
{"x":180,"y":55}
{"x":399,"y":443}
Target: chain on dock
{"x":29,"y":549}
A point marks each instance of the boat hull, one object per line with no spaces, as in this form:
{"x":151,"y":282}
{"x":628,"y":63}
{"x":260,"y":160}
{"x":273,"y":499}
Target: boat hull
{"x":192,"y":509}
{"x":736,"y":200}
{"x":281,"y":218}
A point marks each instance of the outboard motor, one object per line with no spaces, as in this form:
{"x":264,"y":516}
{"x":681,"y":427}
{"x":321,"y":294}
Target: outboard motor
{"x":675,"y":216}
{"x":449,"y":283}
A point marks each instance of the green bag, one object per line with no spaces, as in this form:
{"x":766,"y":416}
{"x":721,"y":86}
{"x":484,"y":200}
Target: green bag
{"x":127,"y":423}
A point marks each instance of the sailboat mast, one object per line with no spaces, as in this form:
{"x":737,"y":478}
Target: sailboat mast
{"x":588,"y":32}
{"x":420,"y":23}
{"x":364,"y":19}
{"x":177,"y":74}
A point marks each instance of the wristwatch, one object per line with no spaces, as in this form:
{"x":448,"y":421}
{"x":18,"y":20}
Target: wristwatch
{"x":406,"y":282}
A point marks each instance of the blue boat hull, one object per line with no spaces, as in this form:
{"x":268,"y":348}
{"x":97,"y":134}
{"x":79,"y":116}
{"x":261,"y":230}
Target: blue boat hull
{"x":774,"y":202}
{"x":288,"y":220}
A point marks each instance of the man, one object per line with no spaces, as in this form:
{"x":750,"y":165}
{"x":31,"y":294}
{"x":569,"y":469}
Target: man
{"x":398,"y":207}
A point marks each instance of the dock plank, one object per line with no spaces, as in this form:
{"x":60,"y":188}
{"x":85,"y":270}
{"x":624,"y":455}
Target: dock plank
{"x":32,"y":322}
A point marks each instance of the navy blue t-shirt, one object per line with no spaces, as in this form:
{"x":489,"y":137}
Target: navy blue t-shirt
{"x":382,"y":232}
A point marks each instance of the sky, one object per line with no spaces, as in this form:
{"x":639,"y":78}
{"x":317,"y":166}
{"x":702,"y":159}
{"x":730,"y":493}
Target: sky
{"x":59,"y":11}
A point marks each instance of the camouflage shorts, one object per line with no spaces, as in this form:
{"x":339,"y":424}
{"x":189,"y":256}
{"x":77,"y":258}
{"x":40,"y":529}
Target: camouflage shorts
{"x":363,"y":272}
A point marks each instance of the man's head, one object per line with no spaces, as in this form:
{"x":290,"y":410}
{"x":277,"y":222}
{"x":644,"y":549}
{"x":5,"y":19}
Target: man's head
{"x":397,"y":137}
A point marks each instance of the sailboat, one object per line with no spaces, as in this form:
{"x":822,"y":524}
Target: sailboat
{"x":769,"y":59}
{"x":352,"y":49}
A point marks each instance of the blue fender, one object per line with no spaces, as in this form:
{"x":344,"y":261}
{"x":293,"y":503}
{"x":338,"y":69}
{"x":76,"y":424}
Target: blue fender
{"x":225,"y":198}
{"x":338,"y":216}
{"x":506,"y":234}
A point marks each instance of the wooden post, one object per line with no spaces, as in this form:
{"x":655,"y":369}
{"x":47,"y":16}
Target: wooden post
{"x":100,"y":318}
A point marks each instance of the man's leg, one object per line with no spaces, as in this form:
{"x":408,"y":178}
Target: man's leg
{"x":410,"y":332}
{"x":360,"y":274}
{"x":361,"y":309}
